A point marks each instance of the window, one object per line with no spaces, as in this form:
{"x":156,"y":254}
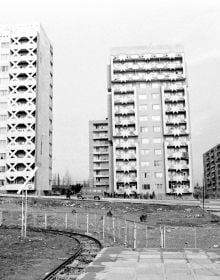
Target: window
{"x":145,"y":186}
{"x":143,"y":118}
{"x":144,"y":129}
{"x":145,"y":152}
{"x":144,"y":140}
{"x":1,"y":182}
{"x":155,"y":95}
{"x":142,"y":96}
{"x":145,"y":163}
{"x":142,"y":85}
{"x":143,"y":107}
{"x":3,"y":81}
{"x":3,"y":118}
{"x":4,"y":68}
{"x":4,"y":56}
{"x":157,"y":129}
{"x":5,"y":44}
{"x":159,"y":186}
{"x":157,"y":140}
{"x":156,"y":118}
{"x":3,"y":130}
{"x":146,"y":175}
{"x":2,"y":169}
{"x":2,"y":155}
{"x":158,"y":175}
{"x":158,"y":163}
{"x":156,"y":107}
{"x":158,"y":152}
{"x":3,"y":92}
{"x":2,"y":142}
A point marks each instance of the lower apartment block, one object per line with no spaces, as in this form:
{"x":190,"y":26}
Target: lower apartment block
{"x":99,"y":154}
{"x":211,"y":165}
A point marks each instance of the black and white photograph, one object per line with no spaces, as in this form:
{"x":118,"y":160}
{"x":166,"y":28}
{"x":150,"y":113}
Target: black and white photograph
{"x":110,"y":140}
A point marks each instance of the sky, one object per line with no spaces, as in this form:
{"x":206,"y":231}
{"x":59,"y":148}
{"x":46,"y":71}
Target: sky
{"x":83,"y":32}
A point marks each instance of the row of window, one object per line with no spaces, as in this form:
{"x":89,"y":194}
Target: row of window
{"x":157,"y":175}
{"x":146,"y":129}
{"x":3,"y":92}
{"x":143,"y":96}
{"x":3,"y":118}
{"x":143,"y":107}
{"x":153,"y":118}
{"x":147,"y":186}
{"x":157,"y":163}
{"x":156,"y":140}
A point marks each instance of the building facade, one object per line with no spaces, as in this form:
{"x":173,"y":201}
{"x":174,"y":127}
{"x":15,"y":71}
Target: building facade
{"x":26,"y":103}
{"x":149,"y":121}
{"x":211,"y":165}
{"x":99,"y":154}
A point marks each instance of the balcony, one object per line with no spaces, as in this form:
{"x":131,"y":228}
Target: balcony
{"x":125,"y":134}
{"x":178,"y":155}
{"x":101,"y":159}
{"x":124,"y":111}
{"x":178,"y":167}
{"x":174,"y":99}
{"x":126,"y":179}
{"x":178,"y":178}
{"x":177,"y":143}
{"x":100,"y":144}
{"x":126,"y":156}
{"x":126,"y":167}
{"x":176,"y":132}
{"x":101,"y":136}
{"x":174,"y":109}
{"x":103,"y":167}
{"x":124,"y":100}
{"x":175,"y":121}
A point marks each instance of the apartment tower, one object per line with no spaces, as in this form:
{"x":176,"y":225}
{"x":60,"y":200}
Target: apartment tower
{"x":211,"y":165}
{"x":26,"y":100}
{"x":149,"y":122}
{"x":99,"y":154}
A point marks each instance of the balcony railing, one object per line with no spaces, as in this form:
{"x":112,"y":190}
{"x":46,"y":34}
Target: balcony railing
{"x":178,"y":178}
{"x":178,"y":155}
{"x":178,"y":166}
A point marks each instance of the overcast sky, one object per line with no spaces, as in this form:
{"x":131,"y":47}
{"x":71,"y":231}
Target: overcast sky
{"x":82,"y":33}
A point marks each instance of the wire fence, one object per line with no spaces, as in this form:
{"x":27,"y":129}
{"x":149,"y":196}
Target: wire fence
{"x":127,"y":233}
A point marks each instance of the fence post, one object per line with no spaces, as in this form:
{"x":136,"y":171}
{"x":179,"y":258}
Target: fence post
{"x":113,"y":228}
{"x":164,"y":237}
{"x":146,"y":235}
{"x":161,"y":237}
{"x":66,"y":220}
{"x":195,"y":239}
{"x":103,"y":227}
{"x":126,"y":237}
{"x":76,"y":221}
{"x":87,"y":223}
{"x":135,"y":236}
{"x":45,"y":220}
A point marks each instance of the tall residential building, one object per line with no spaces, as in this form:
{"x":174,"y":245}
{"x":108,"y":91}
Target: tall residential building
{"x":149,"y":121}
{"x":26,"y":101}
{"x":99,"y":154}
{"x":211,"y":165}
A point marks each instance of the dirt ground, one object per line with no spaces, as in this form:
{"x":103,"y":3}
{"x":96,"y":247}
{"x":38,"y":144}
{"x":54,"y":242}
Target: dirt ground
{"x":31,"y":258}
{"x":19,"y":257}
{"x":170,"y":215}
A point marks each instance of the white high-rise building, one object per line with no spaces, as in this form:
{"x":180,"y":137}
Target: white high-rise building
{"x":26,"y":100}
{"x":149,"y":121}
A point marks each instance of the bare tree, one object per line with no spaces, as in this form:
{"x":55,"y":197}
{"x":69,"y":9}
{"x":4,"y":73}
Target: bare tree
{"x":67,"y":179}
